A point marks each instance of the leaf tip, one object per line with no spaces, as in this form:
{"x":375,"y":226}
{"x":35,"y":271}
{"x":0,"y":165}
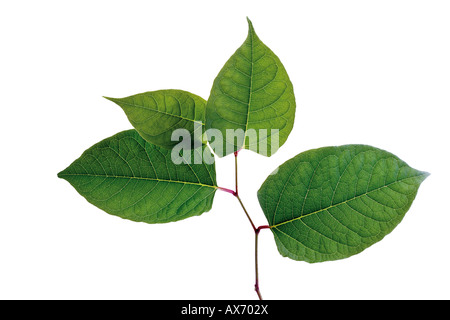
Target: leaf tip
{"x":250,"y":25}
{"x":115,"y":100}
{"x":61,"y":174}
{"x":425,"y":174}
{"x":109,"y":98}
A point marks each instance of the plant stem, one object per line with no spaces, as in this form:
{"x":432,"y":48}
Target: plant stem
{"x":246,"y":213}
{"x":236,"y":173}
{"x":255,"y":229}
{"x":236,"y":193}
{"x":227,"y":190}
{"x":256,"y":260}
{"x":256,"y":267}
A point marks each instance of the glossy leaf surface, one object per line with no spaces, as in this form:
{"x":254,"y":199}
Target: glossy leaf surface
{"x":128,"y":177}
{"x":333,"y":202}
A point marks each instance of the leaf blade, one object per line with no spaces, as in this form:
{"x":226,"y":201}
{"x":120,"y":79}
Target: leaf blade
{"x":128,"y":177}
{"x":156,"y":114}
{"x":252,"y":92}
{"x":335,"y":202}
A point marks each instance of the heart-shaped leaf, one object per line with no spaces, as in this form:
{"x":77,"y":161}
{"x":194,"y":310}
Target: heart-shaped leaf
{"x":128,"y":177}
{"x":331,"y":203}
{"x":252,"y":102}
{"x":157,"y":114}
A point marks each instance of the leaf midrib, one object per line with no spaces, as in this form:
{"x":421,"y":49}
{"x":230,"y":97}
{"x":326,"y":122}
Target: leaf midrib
{"x":138,"y":178}
{"x":250,"y":86}
{"x":159,"y":111}
{"x":343,"y":202}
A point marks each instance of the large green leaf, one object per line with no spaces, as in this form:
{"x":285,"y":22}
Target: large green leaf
{"x":128,"y":177}
{"x":253,"y":96}
{"x":331,"y":203}
{"x":157,"y":114}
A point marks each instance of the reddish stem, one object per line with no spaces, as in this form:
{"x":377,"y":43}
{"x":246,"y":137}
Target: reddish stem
{"x":256,"y":230}
{"x":236,"y":172}
{"x":262,"y":227}
{"x":228,"y":190}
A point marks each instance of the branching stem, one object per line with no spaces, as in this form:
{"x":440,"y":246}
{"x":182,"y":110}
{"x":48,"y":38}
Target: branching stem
{"x":246,"y":213}
{"x":255,"y":229}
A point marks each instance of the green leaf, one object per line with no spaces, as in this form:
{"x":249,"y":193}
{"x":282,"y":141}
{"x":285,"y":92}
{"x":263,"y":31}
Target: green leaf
{"x":253,"y":96}
{"x":128,"y":177}
{"x":156,"y":114}
{"x":331,"y":203}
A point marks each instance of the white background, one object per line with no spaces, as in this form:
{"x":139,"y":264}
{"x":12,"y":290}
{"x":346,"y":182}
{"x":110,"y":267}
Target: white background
{"x":371,"y":72}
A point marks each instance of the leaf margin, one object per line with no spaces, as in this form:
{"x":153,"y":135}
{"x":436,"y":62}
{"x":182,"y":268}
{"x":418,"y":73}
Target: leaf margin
{"x":149,"y":111}
{"x":275,"y":227}
{"x":68,"y":172}
{"x":282,"y":134}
